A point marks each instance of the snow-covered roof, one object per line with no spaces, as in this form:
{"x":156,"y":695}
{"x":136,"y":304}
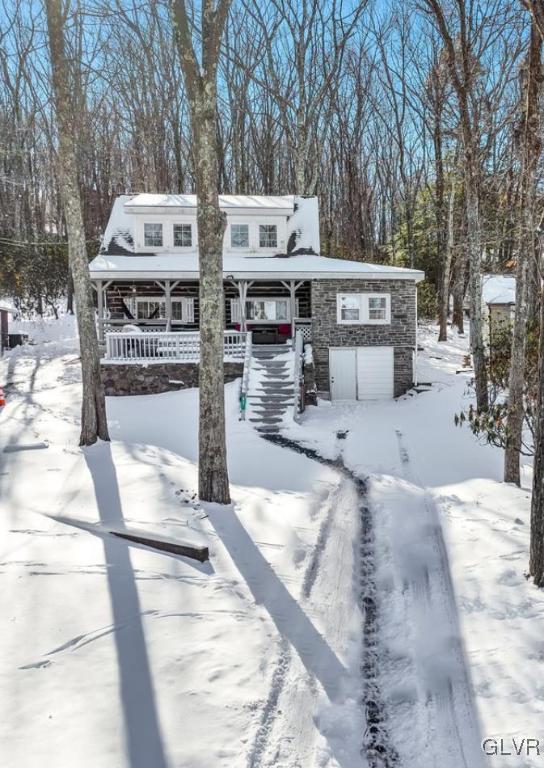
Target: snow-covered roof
{"x":300,"y":260}
{"x":300,"y":267}
{"x":6,"y":306}
{"x":301,"y":214}
{"x":499,"y":289}
{"x":250,"y":202}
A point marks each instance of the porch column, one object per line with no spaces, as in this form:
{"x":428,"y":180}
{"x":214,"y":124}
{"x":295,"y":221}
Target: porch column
{"x":100,"y":287}
{"x":167,"y":288}
{"x":292,"y":287}
{"x":242,"y":286}
{"x":168,"y":304}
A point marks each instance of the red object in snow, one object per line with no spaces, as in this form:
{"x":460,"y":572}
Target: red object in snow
{"x":2,"y":397}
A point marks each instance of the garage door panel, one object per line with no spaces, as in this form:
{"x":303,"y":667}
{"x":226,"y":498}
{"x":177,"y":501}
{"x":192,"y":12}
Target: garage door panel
{"x":375,"y":372}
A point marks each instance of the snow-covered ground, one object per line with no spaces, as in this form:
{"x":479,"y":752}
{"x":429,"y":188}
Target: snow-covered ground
{"x":432,"y":483}
{"x":114,"y":655}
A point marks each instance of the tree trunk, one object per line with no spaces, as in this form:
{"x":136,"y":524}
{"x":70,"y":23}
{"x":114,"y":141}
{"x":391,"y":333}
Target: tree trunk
{"x":458,"y":292}
{"x":536,"y":554}
{"x":446,"y":270}
{"x":201,"y":87}
{"x":93,"y":409}
{"x":516,"y":375}
{"x":530,"y":152}
{"x":475,"y":292}
{"x":213,"y":478}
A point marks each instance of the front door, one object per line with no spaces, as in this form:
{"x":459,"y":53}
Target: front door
{"x":343,"y":373}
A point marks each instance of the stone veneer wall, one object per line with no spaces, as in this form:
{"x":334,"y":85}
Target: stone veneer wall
{"x":151,"y":379}
{"x":400,"y":333}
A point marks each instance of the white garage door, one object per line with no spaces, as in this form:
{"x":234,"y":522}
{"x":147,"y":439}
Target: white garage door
{"x":361,"y":373}
{"x":374,"y":373}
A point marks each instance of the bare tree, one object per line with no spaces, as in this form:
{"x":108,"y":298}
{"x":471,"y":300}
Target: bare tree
{"x":529,"y":144}
{"x":536,"y":554}
{"x":201,"y":87}
{"x":462,"y":66}
{"x":93,"y":410}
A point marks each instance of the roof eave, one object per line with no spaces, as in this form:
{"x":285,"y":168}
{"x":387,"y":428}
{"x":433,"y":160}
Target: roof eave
{"x":110,"y":274}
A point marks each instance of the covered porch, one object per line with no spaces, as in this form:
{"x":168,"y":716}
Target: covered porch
{"x":168,"y":313}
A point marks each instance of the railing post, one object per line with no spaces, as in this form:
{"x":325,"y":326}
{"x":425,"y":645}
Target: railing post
{"x":299,"y":347}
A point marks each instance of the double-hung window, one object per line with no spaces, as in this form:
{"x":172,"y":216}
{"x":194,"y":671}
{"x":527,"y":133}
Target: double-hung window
{"x":239,"y":236}
{"x":153,"y":235}
{"x":183,"y":235}
{"x":268,"y":236}
{"x":363,"y":308}
{"x":378,"y":309}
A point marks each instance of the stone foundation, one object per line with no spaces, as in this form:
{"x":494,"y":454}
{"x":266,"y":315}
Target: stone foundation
{"x":154,"y":378}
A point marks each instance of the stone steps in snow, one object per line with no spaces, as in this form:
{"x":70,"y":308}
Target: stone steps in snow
{"x":270,"y":412}
{"x":272,"y":397}
{"x":275,"y":386}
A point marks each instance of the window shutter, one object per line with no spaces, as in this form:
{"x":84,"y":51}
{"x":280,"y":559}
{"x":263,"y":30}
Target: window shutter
{"x":235,"y":311}
{"x":188,"y":310}
{"x":297,"y":307}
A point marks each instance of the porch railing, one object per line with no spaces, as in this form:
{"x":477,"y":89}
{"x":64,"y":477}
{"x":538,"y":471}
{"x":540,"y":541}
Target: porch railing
{"x":162,"y":346}
{"x":304,"y":325}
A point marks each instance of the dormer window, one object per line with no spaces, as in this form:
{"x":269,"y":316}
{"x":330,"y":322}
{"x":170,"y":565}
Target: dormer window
{"x":153,"y":235}
{"x":268,"y":236}
{"x":239,"y":236}
{"x":183,"y":235}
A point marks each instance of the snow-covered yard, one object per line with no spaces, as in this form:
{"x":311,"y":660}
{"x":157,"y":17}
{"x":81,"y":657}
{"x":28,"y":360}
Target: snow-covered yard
{"x":115,"y":655}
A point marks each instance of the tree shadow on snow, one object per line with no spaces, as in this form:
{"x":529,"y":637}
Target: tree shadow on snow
{"x":141,"y":724}
{"x":292,"y":623}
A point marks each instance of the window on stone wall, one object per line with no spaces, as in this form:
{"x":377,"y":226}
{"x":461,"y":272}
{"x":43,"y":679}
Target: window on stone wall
{"x":363,"y":308}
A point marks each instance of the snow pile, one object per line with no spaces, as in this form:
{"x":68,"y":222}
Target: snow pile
{"x":42,"y":330}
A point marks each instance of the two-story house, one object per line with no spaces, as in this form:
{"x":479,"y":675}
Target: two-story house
{"x":360,"y":318}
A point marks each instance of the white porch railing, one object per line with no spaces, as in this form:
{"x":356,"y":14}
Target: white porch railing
{"x":304,"y":325}
{"x":162,"y":346}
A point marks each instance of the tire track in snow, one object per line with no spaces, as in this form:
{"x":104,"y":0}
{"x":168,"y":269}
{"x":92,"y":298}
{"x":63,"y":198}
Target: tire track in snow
{"x":448,"y":686}
{"x":376,"y":743}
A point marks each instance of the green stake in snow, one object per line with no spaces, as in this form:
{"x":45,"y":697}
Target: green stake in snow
{"x":243,"y":404}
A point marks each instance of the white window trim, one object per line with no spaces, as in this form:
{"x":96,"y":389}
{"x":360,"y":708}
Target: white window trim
{"x":187,"y":307}
{"x":183,"y":247}
{"x":364,"y":311}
